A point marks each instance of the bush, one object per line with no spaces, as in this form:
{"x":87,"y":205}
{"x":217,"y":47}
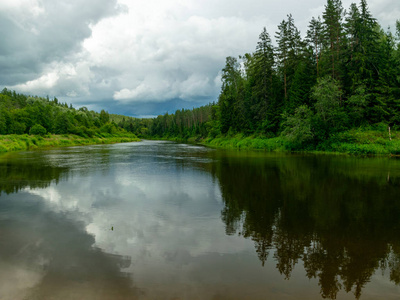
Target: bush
{"x":298,"y":128}
{"x":18,"y":128}
{"x":38,"y":130}
{"x":109,"y":128}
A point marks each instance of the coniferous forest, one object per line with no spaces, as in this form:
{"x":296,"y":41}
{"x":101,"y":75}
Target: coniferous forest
{"x":328,"y":89}
{"x":339,"y":81}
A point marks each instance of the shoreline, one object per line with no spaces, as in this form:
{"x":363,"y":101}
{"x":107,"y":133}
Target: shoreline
{"x":13,"y":143}
{"x":355,"y":143}
{"x":370,"y":144}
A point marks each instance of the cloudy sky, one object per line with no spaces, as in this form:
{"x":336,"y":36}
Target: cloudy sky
{"x":135,"y":57}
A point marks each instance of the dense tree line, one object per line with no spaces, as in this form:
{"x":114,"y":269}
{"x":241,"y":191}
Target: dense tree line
{"x":344,"y":73}
{"x":20,"y":114}
{"x":184,"y":123}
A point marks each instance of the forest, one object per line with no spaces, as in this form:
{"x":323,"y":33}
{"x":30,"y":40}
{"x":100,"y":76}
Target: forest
{"x":341,"y":80}
{"x":334,"y":87}
{"x":21,"y":114}
{"x":28,"y":123}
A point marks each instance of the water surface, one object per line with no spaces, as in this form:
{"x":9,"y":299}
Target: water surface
{"x":160,"y":220}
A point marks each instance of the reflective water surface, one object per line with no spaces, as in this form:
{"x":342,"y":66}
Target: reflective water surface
{"x":159,"y":220}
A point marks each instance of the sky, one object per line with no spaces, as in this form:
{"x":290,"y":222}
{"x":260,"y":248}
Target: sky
{"x":140,"y":58}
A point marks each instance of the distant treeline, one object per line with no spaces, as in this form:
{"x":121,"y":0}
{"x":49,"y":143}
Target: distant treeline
{"x":344,"y":74}
{"x":21,"y":114}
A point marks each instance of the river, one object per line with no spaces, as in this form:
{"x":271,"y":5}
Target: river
{"x":161,"y":220}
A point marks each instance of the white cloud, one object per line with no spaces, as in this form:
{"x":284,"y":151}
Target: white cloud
{"x":46,"y":81}
{"x":163,"y":50}
{"x":143,"y":51}
{"x":172,"y":57}
{"x":60,"y":78}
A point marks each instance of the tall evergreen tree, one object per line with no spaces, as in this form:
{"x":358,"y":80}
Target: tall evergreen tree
{"x":368,"y":45}
{"x":351,"y":28}
{"x":231,"y":76}
{"x":288,"y":52}
{"x":314,"y":39}
{"x":282,"y":38}
{"x":366,"y":60}
{"x":265,"y":108}
{"x":387,"y":87}
{"x":333,"y":32}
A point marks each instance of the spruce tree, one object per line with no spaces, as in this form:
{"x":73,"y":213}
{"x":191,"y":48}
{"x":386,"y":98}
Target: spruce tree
{"x":289,"y":52}
{"x":265,"y":106}
{"x":314,"y":39}
{"x":333,"y":33}
{"x":229,"y":92}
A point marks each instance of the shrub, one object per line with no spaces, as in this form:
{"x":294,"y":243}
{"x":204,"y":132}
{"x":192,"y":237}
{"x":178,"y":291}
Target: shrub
{"x":38,"y":130}
{"x":109,"y":128}
{"x":298,"y":129}
{"x":18,"y":128}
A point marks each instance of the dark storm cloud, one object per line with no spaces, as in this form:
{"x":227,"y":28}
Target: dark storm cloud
{"x":56,"y":31}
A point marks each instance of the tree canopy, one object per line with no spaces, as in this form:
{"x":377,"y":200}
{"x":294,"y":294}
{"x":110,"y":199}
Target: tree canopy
{"x":344,"y":73}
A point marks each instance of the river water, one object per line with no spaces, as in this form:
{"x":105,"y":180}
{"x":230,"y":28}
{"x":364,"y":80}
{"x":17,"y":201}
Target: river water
{"x":160,"y":220}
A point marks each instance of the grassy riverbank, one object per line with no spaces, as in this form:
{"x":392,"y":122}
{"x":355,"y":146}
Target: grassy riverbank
{"x":354,"y":142}
{"x":15,"y":142}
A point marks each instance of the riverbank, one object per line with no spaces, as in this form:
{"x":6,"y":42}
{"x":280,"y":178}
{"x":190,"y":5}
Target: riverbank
{"x":9,"y":143}
{"x":352,"y":142}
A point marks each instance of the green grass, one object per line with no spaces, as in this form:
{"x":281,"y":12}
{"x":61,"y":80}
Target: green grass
{"x":239,"y":142}
{"x":359,"y":141}
{"x":365,"y":142}
{"x":352,"y":142}
{"x":9,"y":143}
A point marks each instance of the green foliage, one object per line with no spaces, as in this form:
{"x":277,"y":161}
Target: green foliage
{"x":37,"y":129}
{"x":327,"y":96}
{"x":356,"y":106}
{"x":298,"y":127}
{"x":239,"y":142}
{"x":21,"y":114}
{"x":10,"y":143}
{"x":18,"y":128}
{"x":110,"y":128}
{"x":104,"y":117}
{"x":330,"y":116}
{"x":345,"y":74}
{"x":310,"y":93}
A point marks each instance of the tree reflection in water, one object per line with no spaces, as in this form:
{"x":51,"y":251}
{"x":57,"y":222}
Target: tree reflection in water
{"x":47,"y":254}
{"x":339,"y":216}
{"x":17,"y":174}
